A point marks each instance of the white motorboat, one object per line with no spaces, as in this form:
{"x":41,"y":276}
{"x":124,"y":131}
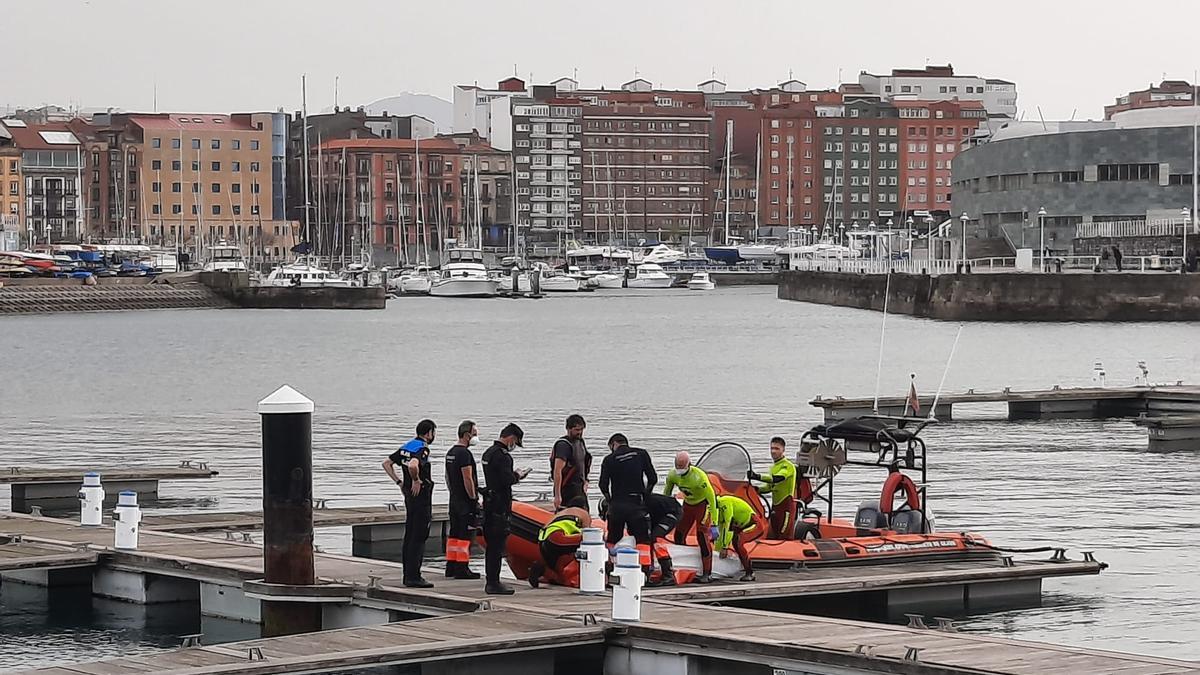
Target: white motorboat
{"x":506,"y":282}
{"x":223,"y":257}
{"x":554,"y":281}
{"x":608,"y":280}
{"x":649,"y":275}
{"x":305,"y":273}
{"x":662,"y":255}
{"x":464,"y":276}
{"x":701,"y":281}
{"x":598,"y":256}
{"x":756,"y":252}
{"x":415,"y":282}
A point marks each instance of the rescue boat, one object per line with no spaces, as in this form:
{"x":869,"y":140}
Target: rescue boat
{"x":884,"y":530}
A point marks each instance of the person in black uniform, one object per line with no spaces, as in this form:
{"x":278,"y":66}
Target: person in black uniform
{"x":416,"y":481}
{"x":570,"y":466}
{"x":497,"y":503}
{"x":626,"y":477}
{"x":664,"y":514}
{"x":463,"y":484}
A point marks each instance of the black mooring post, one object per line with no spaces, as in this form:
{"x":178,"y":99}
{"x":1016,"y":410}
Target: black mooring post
{"x":287,"y":509}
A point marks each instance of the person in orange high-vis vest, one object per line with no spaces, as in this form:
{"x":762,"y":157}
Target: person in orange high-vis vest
{"x":463,"y":483}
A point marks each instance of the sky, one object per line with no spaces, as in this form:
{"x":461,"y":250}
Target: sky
{"x":1067,"y":57}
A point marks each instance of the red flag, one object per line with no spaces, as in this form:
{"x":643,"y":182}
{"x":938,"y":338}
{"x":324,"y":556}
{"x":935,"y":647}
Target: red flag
{"x":914,"y":403}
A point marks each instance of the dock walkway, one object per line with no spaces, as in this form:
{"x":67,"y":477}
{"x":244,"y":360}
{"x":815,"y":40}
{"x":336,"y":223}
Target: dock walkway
{"x":52,"y":488}
{"x":1057,"y":402}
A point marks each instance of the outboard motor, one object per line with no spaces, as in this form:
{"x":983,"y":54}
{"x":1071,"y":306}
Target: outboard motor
{"x":869,"y":517}
{"x":908,"y":522}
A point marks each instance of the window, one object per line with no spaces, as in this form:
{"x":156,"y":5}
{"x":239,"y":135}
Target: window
{"x":253,"y":167}
{"x":216,"y":188}
{"x":254,"y":188}
{"x":237,"y":210}
{"x":195,"y":188}
{"x":1139,"y":172}
{"x":174,"y":143}
{"x":156,"y":164}
{"x":195,"y":143}
{"x":175,"y":165}
{"x":155,"y":210}
{"x":156,"y":187}
{"x":216,"y":209}
{"x":237,"y":145}
{"x":235,"y":188}
{"x":215,"y":144}
{"x":176,"y":187}
{"x":176,"y":209}
{"x":195,"y":165}
{"x":235,"y":166}
{"x":253,"y":145}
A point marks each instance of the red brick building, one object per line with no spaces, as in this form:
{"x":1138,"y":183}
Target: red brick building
{"x":1165,"y":94}
{"x":931,"y":134}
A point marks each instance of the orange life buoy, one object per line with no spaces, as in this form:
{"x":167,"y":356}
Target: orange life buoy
{"x":898,"y":481}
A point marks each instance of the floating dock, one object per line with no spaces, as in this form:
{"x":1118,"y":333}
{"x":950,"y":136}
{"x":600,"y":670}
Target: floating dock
{"x":59,"y":488}
{"x":1054,"y":403}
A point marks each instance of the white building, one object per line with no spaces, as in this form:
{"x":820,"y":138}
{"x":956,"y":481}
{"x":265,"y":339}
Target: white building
{"x":939,"y":83}
{"x":473,"y":106}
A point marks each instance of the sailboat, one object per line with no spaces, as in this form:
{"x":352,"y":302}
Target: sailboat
{"x":418,"y":281}
{"x":463,"y":272}
{"x":728,"y":253}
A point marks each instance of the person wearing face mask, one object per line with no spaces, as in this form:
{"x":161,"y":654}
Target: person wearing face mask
{"x":781,"y":482}
{"x":463,"y":484}
{"x":416,"y":482}
{"x":699,"y":509}
{"x":497,"y":503}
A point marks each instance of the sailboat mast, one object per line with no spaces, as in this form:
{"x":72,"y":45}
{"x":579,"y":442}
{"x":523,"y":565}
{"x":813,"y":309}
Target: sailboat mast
{"x":417,"y":182}
{"x":402,"y":253}
{"x":728,"y":154}
{"x":757,"y":177}
{"x":478,"y":206}
{"x":304,"y":123}
{"x":320,"y":194}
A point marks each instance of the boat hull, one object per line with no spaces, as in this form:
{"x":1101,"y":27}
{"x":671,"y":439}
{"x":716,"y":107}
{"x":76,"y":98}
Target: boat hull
{"x":557,"y":284}
{"x":506,"y":283}
{"x":701,"y":285}
{"x":721,"y":254}
{"x":464,"y":288}
{"x":415,"y":285}
{"x":653,"y":282}
{"x":609,"y":281}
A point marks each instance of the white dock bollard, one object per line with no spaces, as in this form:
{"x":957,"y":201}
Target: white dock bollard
{"x":91,"y":500}
{"x":127,"y":517}
{"x":627,"y":594}
{"x":592,"y":555}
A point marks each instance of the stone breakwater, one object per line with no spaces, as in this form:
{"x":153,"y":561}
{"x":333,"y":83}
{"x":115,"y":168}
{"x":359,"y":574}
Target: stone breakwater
{"x":35,"y":299}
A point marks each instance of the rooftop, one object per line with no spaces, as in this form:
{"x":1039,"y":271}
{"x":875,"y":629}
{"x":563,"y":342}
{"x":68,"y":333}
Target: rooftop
{"x":430,"y":144}
{"x":189,"y":121}
{"x":52,"y":136}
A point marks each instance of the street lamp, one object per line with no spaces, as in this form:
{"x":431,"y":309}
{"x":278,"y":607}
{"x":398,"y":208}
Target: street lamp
{"x":1042,"y":238}
{"x":964,"y":218}
{"x":1187,"y":220}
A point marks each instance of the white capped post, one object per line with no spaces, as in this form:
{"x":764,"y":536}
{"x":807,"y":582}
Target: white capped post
{"x":1042,"y":238}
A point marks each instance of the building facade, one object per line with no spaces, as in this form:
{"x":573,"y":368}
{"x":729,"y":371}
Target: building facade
{"x":1134,"y":168}
{"x":1165,"y":94}
{"x":932,"y":133}
{"x":940,"y":83}
{"x":547,"y":141}
{"x":860,"y":162}
{"x":49,"y":171}
{"x":475,"y":106}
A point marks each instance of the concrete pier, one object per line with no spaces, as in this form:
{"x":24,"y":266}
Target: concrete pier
{"x":58,"y":489}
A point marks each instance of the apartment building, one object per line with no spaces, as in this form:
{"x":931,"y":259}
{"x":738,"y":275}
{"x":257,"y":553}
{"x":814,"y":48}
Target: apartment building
{"x":475,"y":106}
{"x":12,"y":185}
{"x":47,"y":175}
{"x":860,"y":161}
{"x":932,"y":133}
{"x":646,"y":161}
{"x":941,"y":83}
{"x":545,"y":133}
{"x":1165,"y":94}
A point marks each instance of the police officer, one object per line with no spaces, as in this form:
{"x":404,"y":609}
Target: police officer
{"x":497,"y":503}
{"x":416,"y":483}
{"x":626,"y":476}
{"x":570,"y":466}
{"x":463,"y":483}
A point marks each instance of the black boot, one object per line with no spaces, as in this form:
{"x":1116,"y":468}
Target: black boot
{"x":647,"y":570}
{"x":497,"y":588}
{"x":535,"y":573}
{"x":668,"y":572}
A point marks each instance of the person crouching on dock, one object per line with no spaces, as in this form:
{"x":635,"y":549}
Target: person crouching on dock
{"x":557,"y":543}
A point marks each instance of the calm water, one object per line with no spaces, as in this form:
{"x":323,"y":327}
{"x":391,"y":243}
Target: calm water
{"x":672,"y":370}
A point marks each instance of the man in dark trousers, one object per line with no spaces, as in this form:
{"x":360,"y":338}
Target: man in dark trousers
{"x":463,"y":483}
{"x":416,"y":482}
{"x":570,"y":465}
{"x":626,"y":476}
{"x":497,"y":503}
{"x":664,"y":514}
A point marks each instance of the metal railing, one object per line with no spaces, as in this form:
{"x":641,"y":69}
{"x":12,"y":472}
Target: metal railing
{"x":1167,"y":227}
{"x":873,"y":266}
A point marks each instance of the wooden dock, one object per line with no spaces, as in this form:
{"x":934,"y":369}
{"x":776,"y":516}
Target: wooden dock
{"x":18,"y":554}
{"x":59,"y":488}
{"x":1057,"y":402}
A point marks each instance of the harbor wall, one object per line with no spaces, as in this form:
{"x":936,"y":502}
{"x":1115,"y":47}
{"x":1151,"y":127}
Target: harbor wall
{"x":740,"y":278}
{"x":1006,"y":297}
{"x":235,"y":286}
{"x":76,"y":297}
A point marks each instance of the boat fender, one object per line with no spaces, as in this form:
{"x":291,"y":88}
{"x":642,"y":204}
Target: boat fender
{"x":898,"y":481}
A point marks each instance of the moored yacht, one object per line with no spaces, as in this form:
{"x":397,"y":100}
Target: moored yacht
{"x":223,"y":257}
{"x":701,"y":281}
{"x":305,"y":273}
{"x":464,"y":276}
{"x":648,"y":275}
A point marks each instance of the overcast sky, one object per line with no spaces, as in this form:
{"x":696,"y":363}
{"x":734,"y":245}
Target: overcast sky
{"x":236,"y":55}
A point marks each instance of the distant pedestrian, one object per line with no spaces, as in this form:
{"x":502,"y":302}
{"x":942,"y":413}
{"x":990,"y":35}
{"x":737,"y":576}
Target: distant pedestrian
{"x":1117,"y":257}
{"x":463,"y":484}
{"x":1192,"y":260}
{"x":416,"y":482}
{"x":570,"y":465}
{"x":497,"y":503}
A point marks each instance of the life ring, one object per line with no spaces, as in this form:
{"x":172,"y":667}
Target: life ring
{"x":898,"y":481}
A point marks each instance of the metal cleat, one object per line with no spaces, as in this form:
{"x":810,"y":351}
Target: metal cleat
{"x":392,"y":506}
{"x":192,"y":640}
{"x":203,"y":466}
{"x":248,"y":536}
{"x":945,"y":624}
{"x":916,"y":621}
{"x":229,"y":535}
{"x":485,"y":605}
{"x":185,"y":464}
{"x":373,"y":581}
{"x":1088,"y":556}
{"x":589,"y":619}
{"x":865,"y":650}
{"x":255,"y":654}
{"x":1060,"y":555}
{"x":1007,"y":561}
{"x":35,"y":510}
{"x":317,"y":549}
{"x":912,"y":653}
{"x":318,"y":503}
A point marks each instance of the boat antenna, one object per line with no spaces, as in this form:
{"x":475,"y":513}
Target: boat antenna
{"x":953,"y":348}
{"x":882,"y":333}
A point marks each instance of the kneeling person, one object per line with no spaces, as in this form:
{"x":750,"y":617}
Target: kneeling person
{"x":557,"y":543}
{"x":735,"y":528}
{"x":664,"y":517}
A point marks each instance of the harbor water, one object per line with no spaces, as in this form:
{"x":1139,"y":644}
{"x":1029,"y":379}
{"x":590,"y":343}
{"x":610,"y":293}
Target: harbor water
{"x":670,"y":369}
